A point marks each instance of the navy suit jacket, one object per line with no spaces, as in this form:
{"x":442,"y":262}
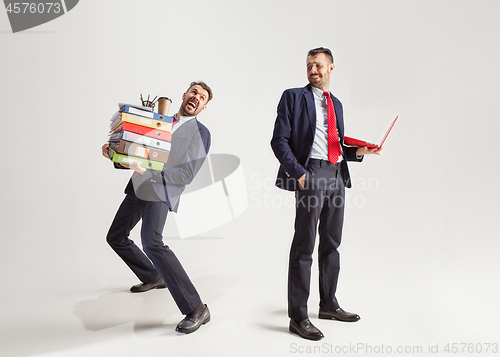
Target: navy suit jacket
{"x":293,"y":136}
{"x":189,"y":147}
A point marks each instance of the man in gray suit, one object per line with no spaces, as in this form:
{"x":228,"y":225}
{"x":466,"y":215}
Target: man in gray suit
{"x":150,"y":194}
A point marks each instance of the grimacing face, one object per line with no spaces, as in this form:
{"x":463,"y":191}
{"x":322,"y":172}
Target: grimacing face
{"x":194,"y":101}
{"x":319,"y":71}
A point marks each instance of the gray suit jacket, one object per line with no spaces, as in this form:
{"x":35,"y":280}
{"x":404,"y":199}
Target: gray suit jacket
{"x":190,"y":145}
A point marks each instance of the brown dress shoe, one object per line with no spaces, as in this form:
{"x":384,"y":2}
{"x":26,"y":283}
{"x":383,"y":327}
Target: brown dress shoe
{"x":305,"y":329}
{"x":158,"y":283}
{"x":193,"y":321}
{"x":338,"y":314}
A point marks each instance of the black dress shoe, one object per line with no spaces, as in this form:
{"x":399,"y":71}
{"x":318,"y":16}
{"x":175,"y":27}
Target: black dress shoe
{"x":158,"y":283}
{"x":193,"y":321}
{"x":305,"y":329}
{"x":338,"y":314}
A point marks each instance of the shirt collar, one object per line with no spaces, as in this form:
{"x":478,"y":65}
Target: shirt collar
{"x":318,"y":92}
{"x":182,"y":119}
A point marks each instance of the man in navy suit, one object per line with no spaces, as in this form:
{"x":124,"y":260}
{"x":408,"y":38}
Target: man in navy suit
{"x":308,"y":142}
{"x":150,"y":194}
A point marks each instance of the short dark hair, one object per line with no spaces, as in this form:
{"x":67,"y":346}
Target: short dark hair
{"x":319,"y":50}
{"x":204,"y":86}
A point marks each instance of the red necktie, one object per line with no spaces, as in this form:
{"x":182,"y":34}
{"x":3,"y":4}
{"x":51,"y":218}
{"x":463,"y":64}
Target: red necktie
{"x":333,"y":137}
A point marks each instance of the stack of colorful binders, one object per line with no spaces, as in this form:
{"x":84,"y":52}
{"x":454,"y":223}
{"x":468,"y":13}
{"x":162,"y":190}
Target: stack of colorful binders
{"x":139,"y":134}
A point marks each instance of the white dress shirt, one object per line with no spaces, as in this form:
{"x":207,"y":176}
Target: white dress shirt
{"x":320,"y":144}
{"x":180,"y":120}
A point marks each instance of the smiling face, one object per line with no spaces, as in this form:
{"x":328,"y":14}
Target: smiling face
{"x":319,"y":71}
{"x":194,"y":101}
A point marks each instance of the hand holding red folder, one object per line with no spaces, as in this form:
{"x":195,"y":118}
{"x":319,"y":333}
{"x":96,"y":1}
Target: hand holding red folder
{"x":361,"y":143}
{"x":364,"y":150}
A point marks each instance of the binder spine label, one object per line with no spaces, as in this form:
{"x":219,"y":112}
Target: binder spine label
{"x":128,"y":160}
{"x":142,"y":152}
{"x":144,"y":113}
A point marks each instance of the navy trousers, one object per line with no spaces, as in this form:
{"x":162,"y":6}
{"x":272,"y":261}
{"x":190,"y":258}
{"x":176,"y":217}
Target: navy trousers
{"x":322,"y":199}
{"x":157,"y":258}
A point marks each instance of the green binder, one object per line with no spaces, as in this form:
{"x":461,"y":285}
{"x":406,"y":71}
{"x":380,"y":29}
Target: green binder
{"x":128,"y":160}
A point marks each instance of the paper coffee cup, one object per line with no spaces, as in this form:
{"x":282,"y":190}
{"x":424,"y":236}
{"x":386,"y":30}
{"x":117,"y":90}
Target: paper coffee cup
{"x":164,"y":105}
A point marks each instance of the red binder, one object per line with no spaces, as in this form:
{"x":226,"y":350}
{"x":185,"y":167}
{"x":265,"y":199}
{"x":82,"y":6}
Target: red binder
{"x":143,"y":130}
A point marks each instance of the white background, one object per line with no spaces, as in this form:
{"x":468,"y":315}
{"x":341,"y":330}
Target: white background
{"x":420,"y":252}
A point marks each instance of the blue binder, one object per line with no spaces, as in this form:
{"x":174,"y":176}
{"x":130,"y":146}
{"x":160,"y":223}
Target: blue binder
{"x":140,"y":139}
